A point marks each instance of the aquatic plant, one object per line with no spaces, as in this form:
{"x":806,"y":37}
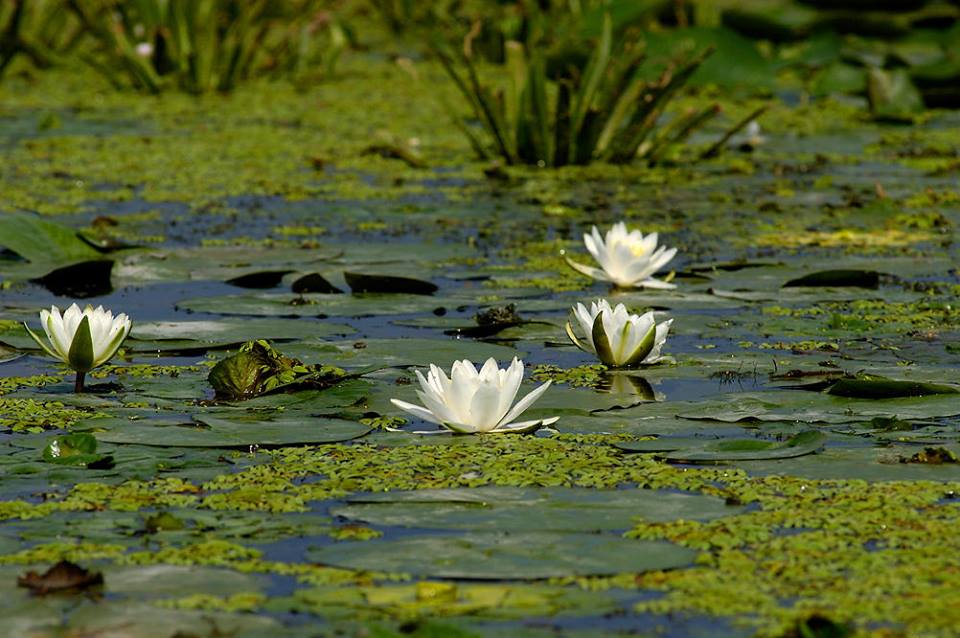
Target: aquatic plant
{"x":258,"y":368}
{"x":618,"y":338}
{"x":471,"y":401}
{"x":627,"y":259}
{"x":604,"y":110}
{"x":39,"y":30}
{"x":207,"y":45}
{"x":83,"y":339}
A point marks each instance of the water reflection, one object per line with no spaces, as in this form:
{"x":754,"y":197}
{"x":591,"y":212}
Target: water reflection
{"x":629,"y":383}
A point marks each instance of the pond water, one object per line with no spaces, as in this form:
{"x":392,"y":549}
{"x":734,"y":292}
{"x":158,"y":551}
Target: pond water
{"x":792,"y":455}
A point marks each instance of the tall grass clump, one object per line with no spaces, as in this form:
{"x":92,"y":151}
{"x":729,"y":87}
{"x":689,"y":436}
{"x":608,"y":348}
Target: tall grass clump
{"x":200,"y":46}
{"x":39,"y":30}
{"x":556,"y":111}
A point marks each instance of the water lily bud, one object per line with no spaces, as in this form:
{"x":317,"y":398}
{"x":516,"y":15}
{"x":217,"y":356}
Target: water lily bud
{"x":618,"y":338}
{"x":83,"y":339}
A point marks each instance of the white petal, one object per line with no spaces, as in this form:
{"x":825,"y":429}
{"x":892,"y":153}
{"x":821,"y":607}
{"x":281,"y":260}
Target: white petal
{"x":525,"y":403}
{"x":659,"y":339}
{"x":585,"y":319}
{"x":589,"y":271}
{"x":525,"y":426}
{"x":416,"y":410}
{"x":512,"y":378}
{"x":439,"y":409}
{"x":664,"y":258}
{"x":489,"y":371}
{"x":484,"y":409}
{"x":654,"y":284}
{"x":463,"y":386}
{"x":53,"y":325}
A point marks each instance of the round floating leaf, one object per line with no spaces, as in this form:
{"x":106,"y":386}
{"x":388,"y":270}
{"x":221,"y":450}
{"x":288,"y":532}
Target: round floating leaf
{"x":72,"y":449}
{"x":227,"y":331}
{"x":529,"y":509}
{"x":421,"y":352}
{"x":224,"y":433}
{"x":488,"y":555}
{"x":800,"y":444}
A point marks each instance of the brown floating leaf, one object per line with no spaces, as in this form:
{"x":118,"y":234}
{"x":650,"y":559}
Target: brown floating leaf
{"x":932,"y":456}
{"x":64,"y":576}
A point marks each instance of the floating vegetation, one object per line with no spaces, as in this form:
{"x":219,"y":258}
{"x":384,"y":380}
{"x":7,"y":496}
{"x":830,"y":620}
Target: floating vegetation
{"x":306,"y":260}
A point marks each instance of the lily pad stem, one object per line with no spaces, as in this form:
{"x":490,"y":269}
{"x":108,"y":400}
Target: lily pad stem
{"x":78,"y":386}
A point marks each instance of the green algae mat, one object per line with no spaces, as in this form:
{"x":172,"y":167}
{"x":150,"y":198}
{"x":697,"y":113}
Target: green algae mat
{"x":788,"y":465}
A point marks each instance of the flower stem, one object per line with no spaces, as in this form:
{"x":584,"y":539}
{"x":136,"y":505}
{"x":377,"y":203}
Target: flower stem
{"x":78,"y":386}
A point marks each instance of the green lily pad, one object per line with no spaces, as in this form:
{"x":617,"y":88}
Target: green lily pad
{"x":529,"y":509}
{"x":893,"y":95}
{"x":73,"y":449}
{"x":217,"y":432}
{"x":749,"y":449}
{"x":155,"y":335}
{"x":43,"y":242}
{"x":416,"y":352}
{"x":493,"y":556}
{"x":313,"y":305}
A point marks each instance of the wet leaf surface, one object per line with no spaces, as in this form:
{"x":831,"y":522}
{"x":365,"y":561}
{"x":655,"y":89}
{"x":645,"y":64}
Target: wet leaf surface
{"x":492,"y":556}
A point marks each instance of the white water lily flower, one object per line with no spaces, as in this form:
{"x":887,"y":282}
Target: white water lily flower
{"x":472,"y":401}
{"x":618,"y":338}
{"x":83,"y":339}
{"x":627,"y":259}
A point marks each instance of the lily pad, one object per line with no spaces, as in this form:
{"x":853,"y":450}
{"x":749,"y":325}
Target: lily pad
{"x":493,"y":556}
{"x":876,"y":387}
{"x":74,"y":449}
{"x":750,"y":449}
{"x":509,"y":508}
{"x":229,"y":331}
{"x":216,"y":432}
{"x":43,"y":242}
